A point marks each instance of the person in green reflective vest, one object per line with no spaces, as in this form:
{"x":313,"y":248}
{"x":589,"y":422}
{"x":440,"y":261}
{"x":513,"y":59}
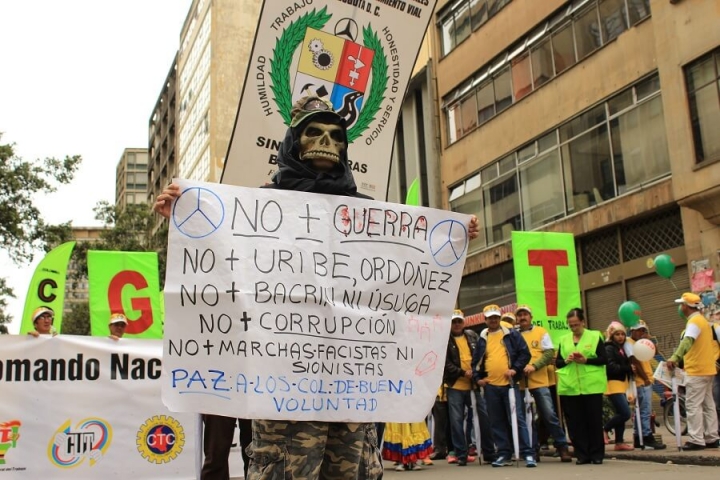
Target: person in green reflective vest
{"x":581,"y":384}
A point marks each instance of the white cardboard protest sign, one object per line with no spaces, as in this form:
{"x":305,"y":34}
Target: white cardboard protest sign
{"x":301,"y":306}
{"x":358,"y":54}
{"x":88,"y":408}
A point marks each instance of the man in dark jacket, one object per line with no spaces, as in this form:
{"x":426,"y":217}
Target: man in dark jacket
{"x":457,"y":376}
{"x":498,"y":362}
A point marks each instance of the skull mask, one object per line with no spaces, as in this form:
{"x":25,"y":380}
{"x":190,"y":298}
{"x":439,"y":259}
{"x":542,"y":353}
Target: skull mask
{"x":322,"y":144}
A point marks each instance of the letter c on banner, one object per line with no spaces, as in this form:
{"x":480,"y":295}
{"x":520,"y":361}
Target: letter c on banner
{"x":136,"y":279}
{"x":42,"y":287}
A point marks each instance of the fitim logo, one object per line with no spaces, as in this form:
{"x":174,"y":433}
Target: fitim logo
{"x":160,"y":439}
{"x":88,"y":440}
{"x":9,"y":435}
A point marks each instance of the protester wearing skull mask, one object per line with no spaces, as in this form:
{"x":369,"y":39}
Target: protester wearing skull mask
{"x":312,"y":158}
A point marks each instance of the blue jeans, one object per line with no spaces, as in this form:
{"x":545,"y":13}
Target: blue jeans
{"x":498,"y":405}
{"x":645,"y":401}
{"x":546,"y":410}
{"x":458,"y":401}
{"x":622,"y":415}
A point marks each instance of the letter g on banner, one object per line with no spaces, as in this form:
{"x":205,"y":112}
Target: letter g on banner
{"x":115,"y":300}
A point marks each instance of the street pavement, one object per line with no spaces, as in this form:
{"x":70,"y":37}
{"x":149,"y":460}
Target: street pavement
{"x":552,"y":469}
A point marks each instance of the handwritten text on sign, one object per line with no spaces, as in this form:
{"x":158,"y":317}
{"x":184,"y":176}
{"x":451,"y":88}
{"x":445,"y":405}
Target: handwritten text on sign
{"x":300,"y":306}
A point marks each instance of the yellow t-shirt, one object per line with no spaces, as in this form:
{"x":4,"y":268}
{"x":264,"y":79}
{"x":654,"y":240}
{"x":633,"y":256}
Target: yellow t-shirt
{"x":647,"y":368}
{"x":463,"y":383}
{"x":538,"y":340}
{"x":700,"y":359}
{"x":496,"y":359}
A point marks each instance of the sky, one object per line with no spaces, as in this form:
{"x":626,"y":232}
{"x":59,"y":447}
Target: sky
{"x":80,"y":77}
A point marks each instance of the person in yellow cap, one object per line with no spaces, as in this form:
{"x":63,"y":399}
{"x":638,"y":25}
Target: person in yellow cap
{"x":117,"y":325}
{"x":542,"y":353}
{"x":43,"y":318}
{"x":500,"y":356}
{"x":457,"y":376}
{"x":508,"y":320}
{"x":697,"y":352}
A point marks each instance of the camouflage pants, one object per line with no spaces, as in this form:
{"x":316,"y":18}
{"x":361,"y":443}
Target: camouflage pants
{"x":313,"y":451}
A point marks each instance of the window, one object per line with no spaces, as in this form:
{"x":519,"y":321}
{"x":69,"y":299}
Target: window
{"x":486,"y":102}
{"x":503,"y":91}
{"x":502,"y":208}
{"x":554,"y":46}
{"x":587,"y":32}
{"x":612,"y":18}
{"x":563,"y":45}
{"x":521,"y":78}
{"x":541,"y":188}
{"x":468,"y":106}
{"x":464,"y":17}
{"x":454,"y":123}
{"x":703,"y":85}
{"x":639,"y":145}
{"x":542,"y":66}
{"x":588,"y":168}
{"x":589,"y":159}
{"x":471,"y":203}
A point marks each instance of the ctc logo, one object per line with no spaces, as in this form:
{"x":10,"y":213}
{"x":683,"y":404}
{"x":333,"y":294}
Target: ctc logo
{"x":161,"y":439}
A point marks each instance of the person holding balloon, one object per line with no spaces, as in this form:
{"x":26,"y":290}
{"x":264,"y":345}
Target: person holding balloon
{"x":643,"y":351}
{"x":581,"y":382}
{"x":618,"y":376}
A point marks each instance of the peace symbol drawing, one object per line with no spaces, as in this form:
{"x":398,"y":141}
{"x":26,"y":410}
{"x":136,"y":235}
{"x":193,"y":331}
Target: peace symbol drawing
{"x":448,"y":241}
{"x":198,"y":212}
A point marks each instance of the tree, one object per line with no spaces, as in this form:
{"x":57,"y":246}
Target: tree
{"x":22,"y":229}
{"x":128,"y":230}
{"x":77,"y":321}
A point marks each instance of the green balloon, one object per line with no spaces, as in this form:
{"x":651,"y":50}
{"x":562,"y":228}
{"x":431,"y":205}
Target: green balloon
{"x":629,"y":313}
{"x":664,"y":265}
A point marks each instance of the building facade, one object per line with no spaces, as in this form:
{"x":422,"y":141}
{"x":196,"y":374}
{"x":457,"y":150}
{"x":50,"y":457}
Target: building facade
{"x":78,"y":292}
{"x":215,"y":45}
{"x":162,"y":162}
{"x":596,"y":117}
{"x":131,"y":177}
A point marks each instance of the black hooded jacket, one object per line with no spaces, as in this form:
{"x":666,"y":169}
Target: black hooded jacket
{"x":293,"y":174}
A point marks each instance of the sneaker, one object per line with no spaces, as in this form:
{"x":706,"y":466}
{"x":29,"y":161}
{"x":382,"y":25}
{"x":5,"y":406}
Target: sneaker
{"x":427,"y":461}
{"x":530,"y":461}
{"x":564,"y":453}
{"x":452,"y":459}
{"x":400,"y":468}
{"x":414,"y":466}
{"x":472,"y":451}
{"x":471,"y":458}
{"x":714,"y":444}
{"x":623,"y":447}
{"x":502,"y":462}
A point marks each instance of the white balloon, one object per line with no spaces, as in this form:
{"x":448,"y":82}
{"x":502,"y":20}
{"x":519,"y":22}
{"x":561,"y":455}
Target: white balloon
{"x":644,"y":349}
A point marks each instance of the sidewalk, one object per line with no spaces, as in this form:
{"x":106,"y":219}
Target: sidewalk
{"x":709,"y":456}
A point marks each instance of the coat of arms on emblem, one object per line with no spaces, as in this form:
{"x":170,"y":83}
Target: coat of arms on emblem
{"x":352,"y":75}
